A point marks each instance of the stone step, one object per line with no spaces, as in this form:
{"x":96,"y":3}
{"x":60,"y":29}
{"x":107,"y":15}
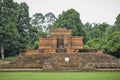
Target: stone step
{"x":59,"y":50}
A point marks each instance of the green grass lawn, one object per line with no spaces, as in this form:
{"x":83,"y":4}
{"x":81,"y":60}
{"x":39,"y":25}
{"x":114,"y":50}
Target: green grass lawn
{"x":59,"y":75}
{"x":11,"y":57}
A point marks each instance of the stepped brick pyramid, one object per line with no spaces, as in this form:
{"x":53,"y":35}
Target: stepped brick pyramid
{"x":63,"y":52}
{"x":65,"y":62}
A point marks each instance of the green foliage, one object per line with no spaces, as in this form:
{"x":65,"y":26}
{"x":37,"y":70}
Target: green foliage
{"x":70,"y":19}
{"x":94,"y":43}
{"x":8,"y":19}
{"x":41,"y":22}
{"x":42,"y":34}
{"x":49,"y":19}
{"x":16,"y":31}
{"x":113,"y":42}
{"x":103,"y":36}
{"x":11,"y":57}
{"x":36,"y":21}
{"x":87,"y":30}
{"x":23,"y":25}
{"x":117,"y":22}
{"x":35,"y":45}
{"x":98,"y":31}
{"x":94,"y":36}
{"x":116,"y":27}
{"x":113,"y":38}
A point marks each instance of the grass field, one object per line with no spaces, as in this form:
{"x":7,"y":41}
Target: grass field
{"x":59,"y":75}
{"x":11,"y":57}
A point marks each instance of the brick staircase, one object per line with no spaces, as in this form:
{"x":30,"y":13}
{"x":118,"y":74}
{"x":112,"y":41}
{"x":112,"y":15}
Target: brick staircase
{"x":61,"y":50}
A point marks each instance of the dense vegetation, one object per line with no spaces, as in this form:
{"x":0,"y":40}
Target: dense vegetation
{"x":60,"y":76}
{"x":19,"y":31}
{"x":96,"y":36}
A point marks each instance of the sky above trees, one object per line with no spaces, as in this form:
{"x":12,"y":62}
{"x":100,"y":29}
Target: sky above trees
{"x":93,"y":11}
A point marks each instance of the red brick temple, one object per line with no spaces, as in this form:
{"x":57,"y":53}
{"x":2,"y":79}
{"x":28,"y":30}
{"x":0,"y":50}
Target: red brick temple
{"x":60,"y":41}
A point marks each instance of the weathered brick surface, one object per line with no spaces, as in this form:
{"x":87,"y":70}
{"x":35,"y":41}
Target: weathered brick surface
{"x":29,"y":52}
{"x":73,"y":42}
{"x":78,"y":61}
{"x":60,"y":41}
{"x":48,"y":43}
{"x":60,"y":32}
{"x":60,"y":38}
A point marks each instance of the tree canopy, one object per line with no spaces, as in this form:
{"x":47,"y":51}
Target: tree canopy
{"x":15,"y":29}
{"x":70,"y":19}
{"x":19,"y":31}
{"x":8,"y":30}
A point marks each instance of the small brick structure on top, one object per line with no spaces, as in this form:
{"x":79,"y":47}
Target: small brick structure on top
{"x":59,"y":41}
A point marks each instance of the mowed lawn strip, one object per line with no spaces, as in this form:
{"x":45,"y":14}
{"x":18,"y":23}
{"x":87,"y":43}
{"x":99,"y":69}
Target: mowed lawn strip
{"x":59,"y":75}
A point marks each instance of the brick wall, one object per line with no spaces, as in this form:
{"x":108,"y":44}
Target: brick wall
{"x":60,"y":31}
{"x":78,"y":61}
{"x":47,"y":43}
{"x":73,"y":42}
{"x":28,"y":52}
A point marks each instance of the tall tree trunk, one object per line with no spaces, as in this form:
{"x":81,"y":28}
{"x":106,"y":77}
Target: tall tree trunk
{"x":2,"y":51}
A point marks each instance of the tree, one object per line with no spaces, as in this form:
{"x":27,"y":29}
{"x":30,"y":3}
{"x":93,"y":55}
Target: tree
{"x":95,"y":43}
{"x":70,"y":19}
{"x":15,"y":28}
{"x":112,"y":44}
{"x":113,"y":39}
{"x":43,"y":23}
{"x":7,"y":24}
{"x":37,"y":21}
{"x":95,"y":36}
{"x":87,"y":29}
{"x":23,"y":25}
{"x":117,"y":23}
{"x":98,"y":30}
{"x":49,"y":19}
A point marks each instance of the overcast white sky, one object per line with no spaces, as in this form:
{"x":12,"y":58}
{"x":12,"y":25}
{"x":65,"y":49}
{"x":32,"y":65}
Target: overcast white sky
{"x":93,"y":11}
